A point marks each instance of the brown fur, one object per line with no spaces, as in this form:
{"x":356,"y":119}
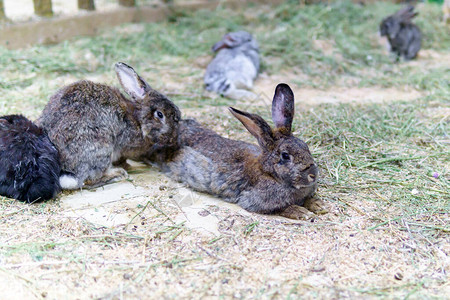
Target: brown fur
{"x":265,"y":179}
{"x":94,"y":125}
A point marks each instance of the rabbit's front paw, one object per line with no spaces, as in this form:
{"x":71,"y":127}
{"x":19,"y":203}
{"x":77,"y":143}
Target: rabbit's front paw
{"x":296,"y":212}
{"x":122,"y":163}
{"x":110,"y":176}
{"x":316,"y":206}
{"x":114,"y":175}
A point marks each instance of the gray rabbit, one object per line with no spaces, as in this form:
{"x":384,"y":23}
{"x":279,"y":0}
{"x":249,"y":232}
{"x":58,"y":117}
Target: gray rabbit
{"x":94,"y":126}
{"x":266,"y":179}
{"x":404,"y":37}
{"x":232,"y":72}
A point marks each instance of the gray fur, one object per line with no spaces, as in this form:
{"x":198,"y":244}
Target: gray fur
{"x":404,"y":37}
{"x":95,"y":126}
{"x":232,"y":72}
{"x":257,"y":178}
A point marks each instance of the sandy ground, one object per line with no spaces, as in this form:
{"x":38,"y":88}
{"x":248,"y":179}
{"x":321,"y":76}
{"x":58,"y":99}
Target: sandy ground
{"x":152,"y":238}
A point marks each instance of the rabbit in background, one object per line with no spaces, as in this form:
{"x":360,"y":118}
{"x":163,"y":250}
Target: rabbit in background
{"x":232,"y":72}
{"x":270,"y":178}
{"x":446,"y":11}
{"x":96,"y":128}
{"x":29,"y":162}
{"x":404,"y":37}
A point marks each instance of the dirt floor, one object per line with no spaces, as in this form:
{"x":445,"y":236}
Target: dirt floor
{"x":150,"y":237}
{"x":153,"y":238}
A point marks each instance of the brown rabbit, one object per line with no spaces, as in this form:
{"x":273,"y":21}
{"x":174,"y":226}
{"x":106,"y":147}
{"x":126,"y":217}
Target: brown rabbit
{"x":265,"y":179}
{"x":95,"y":126}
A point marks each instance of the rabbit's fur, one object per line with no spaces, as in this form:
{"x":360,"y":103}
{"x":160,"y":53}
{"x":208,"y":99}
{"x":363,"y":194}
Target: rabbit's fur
{"x":404,"y":37}
{"x":95,"y":126}
{"x":29,"y":162}
{"x":446,"y":11}
{"x":265,"y":179}
{"x":232,"y":72}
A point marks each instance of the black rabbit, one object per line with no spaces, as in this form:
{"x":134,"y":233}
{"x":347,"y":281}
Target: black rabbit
{"x":404,"y":37}
{"x":29,"y":162}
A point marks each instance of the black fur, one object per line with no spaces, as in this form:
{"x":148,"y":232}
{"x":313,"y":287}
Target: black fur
{"x":29,"y":162}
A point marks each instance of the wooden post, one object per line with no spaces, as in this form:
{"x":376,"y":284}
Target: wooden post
{"x":127,"y":3}
{"x":2,"y":11}
{"x":43,"y":8}
{"x":86,"y":4}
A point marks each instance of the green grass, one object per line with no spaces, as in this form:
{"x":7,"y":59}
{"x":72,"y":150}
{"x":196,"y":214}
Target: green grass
{"x":391,"y":150}
{"x":285,"y":33}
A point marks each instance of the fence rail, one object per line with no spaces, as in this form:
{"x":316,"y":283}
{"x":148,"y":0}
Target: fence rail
{"x":59,"y":28}
{"x":44,"y":8}
{"x":54,"y":29}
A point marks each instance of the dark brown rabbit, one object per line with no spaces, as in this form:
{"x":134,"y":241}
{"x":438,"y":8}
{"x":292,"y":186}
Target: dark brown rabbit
{"x":265,"y":179}
{"x":404,"y":37}
{"x":95,"y":126}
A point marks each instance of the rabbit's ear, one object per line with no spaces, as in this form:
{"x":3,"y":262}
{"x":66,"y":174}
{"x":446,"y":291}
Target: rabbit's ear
{"x":133,"y":84}
{"x":405,"y":10}
{"x":406,"y":14}
{"x":220,"y":45}
{"x":283,"y":108}
{"x":256,"y":126}
{"x":406,"y":18}
{"x":227,"y":41}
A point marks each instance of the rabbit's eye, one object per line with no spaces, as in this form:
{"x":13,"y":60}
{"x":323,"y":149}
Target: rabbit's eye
{"x":285,"y":156}
{"x":159,"y":114}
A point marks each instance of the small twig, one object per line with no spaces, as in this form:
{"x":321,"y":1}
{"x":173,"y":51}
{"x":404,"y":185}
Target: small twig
{"x":28,"y":282}
{"x":118,"y":236}
{"x":383,"y":223}
{"x":13,"y":213}
{"x":444,"y":229}
{"x":143,"y":250}
{"x":35,"y":264}
{"x":384,"y":160}
{"x":181,"y":94}
{"x":134,"y":217}
{"x":352,"y":207}
{"x":213,"y":255}
{"x":161,"y":211}
{"x":381,"y":197}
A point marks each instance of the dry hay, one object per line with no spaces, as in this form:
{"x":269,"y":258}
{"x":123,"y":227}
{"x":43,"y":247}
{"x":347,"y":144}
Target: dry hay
{"x":153,"y":238}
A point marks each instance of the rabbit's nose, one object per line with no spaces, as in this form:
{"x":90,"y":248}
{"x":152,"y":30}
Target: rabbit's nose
{"x":311,"y":177}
